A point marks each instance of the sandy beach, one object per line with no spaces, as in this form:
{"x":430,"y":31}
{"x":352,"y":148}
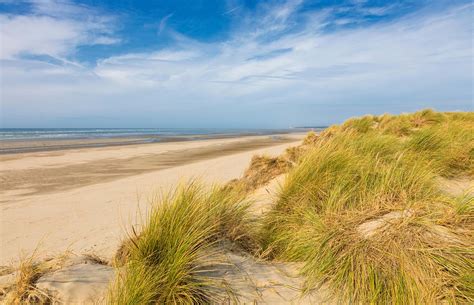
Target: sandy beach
{"x":83,"y":200}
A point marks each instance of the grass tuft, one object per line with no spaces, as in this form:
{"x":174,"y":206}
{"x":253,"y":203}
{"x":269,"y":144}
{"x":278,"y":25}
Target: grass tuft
{"x":168,"y":259}
{"x":262,"y":169}
{"x":29,"y":270}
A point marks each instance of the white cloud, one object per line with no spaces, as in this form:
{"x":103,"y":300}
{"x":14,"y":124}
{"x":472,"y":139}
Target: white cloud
{"x":53,"y":28}
{"x":40,"y":35}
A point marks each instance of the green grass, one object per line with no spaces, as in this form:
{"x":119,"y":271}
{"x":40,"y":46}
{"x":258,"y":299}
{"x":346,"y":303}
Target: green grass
{"x":449,"y":146}
{"x":444,"y":139}
{"x":167,"y":260}
{"x":361,"y":208}
{"x":352,"y":176}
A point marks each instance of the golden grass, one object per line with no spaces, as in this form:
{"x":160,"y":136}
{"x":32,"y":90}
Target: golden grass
{"x":28,"y":271}
{"x":362,"y":210}
{"x":25,"y":291}
{"x":261,"y":170}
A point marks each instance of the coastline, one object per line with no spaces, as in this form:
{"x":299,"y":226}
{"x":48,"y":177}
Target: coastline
{"x":13,"y":146}
{"x":106,"y":196}
{"x":82,"y":199}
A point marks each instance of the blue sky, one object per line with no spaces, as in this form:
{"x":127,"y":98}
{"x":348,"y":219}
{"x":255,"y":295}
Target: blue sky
{"x":235,"y":63}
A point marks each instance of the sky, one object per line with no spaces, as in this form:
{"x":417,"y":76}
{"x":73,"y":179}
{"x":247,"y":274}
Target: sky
{"x":230,"y":63}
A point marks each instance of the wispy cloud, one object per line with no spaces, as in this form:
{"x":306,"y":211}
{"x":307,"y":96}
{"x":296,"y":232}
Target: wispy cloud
{"x":404,"y":45}
{"x":163,"y":22}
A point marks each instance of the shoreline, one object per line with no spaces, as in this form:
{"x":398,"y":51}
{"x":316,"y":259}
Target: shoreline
{"x":83,"y":199}
{"x":16,"y":146}
{"x":68,"y":169}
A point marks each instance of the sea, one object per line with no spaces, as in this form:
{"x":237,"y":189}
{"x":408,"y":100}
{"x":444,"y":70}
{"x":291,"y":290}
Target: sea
{"x":153,"y":134}
{"x":19,"y":140}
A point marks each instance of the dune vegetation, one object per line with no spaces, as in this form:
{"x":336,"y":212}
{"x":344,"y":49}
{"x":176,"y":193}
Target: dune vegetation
{"x":167,"y":261}
{"x":364,"y":211}
{"x":362,"y":208}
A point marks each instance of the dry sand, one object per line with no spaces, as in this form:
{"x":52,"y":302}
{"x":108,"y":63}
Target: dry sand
{"x":84,"y":199}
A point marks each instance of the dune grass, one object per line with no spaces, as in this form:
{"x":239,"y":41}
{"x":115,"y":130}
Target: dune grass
{"x":445,"y":139}
{"x":261,"y":170}
{"x":29,"y":269}
{"x":361,"y":208}
{"x":363,"y":211}
{"x":168,"y":259}
{"x":24,"y":290}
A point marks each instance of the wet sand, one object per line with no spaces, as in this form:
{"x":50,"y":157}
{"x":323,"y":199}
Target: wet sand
{"x":22,"y":146}
{"x":38,"y":145}
{"x":83,"y":199}
{"x":52,"y":177}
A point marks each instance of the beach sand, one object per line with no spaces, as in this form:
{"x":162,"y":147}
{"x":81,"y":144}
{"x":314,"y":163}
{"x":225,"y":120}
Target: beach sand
{"x":85,"y":200}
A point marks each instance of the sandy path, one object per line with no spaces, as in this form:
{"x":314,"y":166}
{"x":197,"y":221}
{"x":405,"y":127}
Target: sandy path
{"x":94,"y":217}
